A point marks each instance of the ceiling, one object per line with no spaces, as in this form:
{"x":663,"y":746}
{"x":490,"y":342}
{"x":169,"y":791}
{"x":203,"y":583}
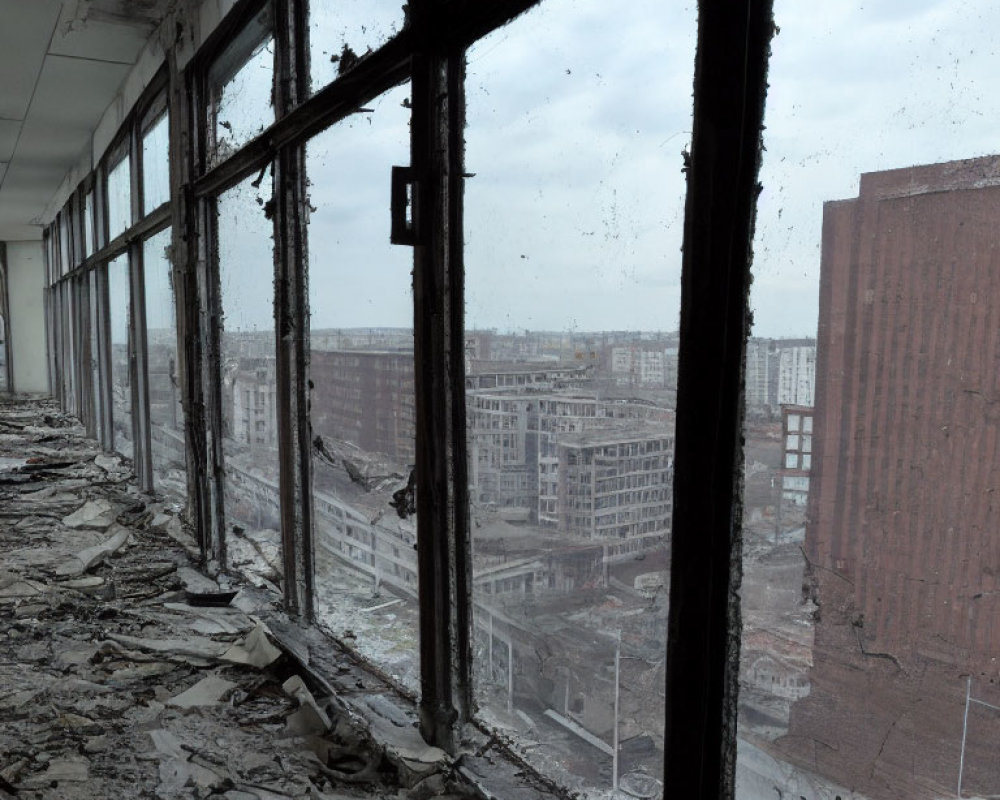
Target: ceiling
{"x":62,"y":63}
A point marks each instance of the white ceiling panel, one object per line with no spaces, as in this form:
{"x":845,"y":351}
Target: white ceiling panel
{"x":26,"y":27}
{"x":62,"y":62}
{"x":9,"y":129}
{"x":73,"y":91}
{"x":88,"y":32}
{"x":26,"y":192}
{"x":47,"y":143}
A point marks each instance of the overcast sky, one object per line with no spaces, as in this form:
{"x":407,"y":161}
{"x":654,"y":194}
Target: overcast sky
{"x":577,"y":115}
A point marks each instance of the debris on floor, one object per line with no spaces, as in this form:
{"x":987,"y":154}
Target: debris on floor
{"x":125,"y":672}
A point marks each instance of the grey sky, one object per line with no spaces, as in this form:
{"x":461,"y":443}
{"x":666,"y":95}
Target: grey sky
{"x":577,"y":114}
{"x":859,"y":87}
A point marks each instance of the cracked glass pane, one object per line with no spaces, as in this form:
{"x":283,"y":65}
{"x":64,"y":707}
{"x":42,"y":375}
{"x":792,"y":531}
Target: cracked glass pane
{"x":119,"y":197}
{"x":166,"y":417}
{"x":871,"y":586}
{"x":241,"y":83}
{"x":156,"y":165}
{"x":342,"y":33}
{"x":120,"y":311}
{"x":362,"y":402}
{"x":574,"y":218}
{"x":249,"y":407}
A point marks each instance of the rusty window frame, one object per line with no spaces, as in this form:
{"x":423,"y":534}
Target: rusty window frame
{"x":730,"y":74}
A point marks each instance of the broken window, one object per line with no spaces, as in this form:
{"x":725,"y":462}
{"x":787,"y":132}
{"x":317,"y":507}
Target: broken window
{"x":248,"y":378}
{"x":362,"y":400}
{"x":120,"y":335}
{"x":241,"y":89}
{"x":340,"y":34}
{"x":166,"y":415}
{"x":573,"y":224}
{"x":563,"y":141}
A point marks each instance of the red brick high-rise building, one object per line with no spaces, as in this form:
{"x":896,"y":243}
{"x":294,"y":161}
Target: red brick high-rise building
{"x":903,"y":534}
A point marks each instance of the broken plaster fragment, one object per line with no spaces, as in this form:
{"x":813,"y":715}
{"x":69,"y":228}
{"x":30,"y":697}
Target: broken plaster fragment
{"x":308,"y":719}
{"x":90,"y":556}
{"x":73,"y":770}
{"x":92,"y":514}
{"x":256,"y":650}
{"x":22,"y":589}
{"x":209,"y":691}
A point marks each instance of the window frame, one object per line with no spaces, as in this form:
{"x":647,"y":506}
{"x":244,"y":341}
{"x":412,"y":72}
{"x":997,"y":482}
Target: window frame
{"x":730,"y":85}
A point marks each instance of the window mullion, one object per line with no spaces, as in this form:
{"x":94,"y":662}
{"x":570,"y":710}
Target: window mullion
{"x":443,"y":542}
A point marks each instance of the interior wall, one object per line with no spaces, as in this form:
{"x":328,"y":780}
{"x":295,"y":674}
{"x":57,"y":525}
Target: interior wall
{"x":25,"y":282}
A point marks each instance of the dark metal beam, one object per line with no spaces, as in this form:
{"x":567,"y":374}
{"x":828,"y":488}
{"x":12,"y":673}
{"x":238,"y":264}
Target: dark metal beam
{"x":292,"y":328}
{"x":704,"y":622}
{"x":443,"y":539}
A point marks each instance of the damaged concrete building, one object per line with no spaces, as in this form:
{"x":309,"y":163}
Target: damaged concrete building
{"x":901,"y":542}
{"x":228,"y":230}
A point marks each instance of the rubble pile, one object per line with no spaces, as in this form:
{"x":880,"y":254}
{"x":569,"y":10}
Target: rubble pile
{"x":124,"y":672}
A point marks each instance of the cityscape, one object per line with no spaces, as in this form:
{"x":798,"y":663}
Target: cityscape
{"x":570,"y":448}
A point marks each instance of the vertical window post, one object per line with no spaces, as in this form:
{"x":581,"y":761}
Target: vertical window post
{"x":443,"y":540}
{"x":292,"y":325}
{"x":704,"y":622}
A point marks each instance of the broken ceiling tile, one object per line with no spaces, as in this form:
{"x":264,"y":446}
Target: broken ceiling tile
{"x":308,"y":719}
{"x":90,"y":556}
{"x":197,"y":647}
{"x":75,"y":770}
{"x":256,"y":650}
{"x":194,"y":581}
{"x":209,"y":691}
{"x":22,"y":589}
{"x":92,"y":514}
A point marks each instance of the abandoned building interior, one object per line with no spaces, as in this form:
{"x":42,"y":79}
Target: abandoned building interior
{"x":259,"y":544}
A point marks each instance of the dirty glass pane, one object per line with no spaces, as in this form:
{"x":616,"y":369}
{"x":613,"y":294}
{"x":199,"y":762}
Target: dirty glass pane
{"x":363,"y":395}
{"x":119,"y":197}
{"x":249,"y":408}
{"x":870,"y":593}
{"x":166,"y":417}
{"x":94,"y":364}
{"x":156,"y":166}
{"x":70,"y":344}
{"x":573,"y":230}
{"x":341,"y":33}
{"x":241,"y":87}
{"x":120,"y":307}
{"x":65,"y":259}
{"x":88,"y":224}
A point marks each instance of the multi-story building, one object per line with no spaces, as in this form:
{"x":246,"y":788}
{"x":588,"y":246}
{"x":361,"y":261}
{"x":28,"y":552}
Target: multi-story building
{"x":639,"y":365}
{"x":365,"y":397}
{"x":503,"y":454}
{"x":519,"y":440}
{"x":796,"y":462}
{"x":759,"y":357}
{"x":254,"y":419}
{"x":797,"y":375}
{"x":615,"y":483}
{"x":901,"y":541}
